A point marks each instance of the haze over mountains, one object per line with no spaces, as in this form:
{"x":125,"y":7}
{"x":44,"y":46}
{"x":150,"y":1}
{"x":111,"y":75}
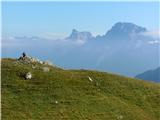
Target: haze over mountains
{"x":125,"y":49}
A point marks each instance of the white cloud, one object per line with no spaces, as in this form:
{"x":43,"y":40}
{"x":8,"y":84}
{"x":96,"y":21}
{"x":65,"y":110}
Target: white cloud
{"x":153,"y":33}
{"x":10,"y":42}
{"x":53,"y":36}
{"x":81,"y":42}
{"x":154,"y":42}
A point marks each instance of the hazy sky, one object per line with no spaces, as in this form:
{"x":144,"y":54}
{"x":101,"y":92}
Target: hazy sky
{"x":57,"y":19}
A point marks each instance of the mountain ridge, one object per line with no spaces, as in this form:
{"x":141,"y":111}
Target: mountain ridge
{"x":76,"y":35}
{"x":150,"y":75}
{"x":121,"y":30}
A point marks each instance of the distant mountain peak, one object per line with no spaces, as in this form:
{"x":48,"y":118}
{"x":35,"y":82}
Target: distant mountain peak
{"x":128,"y":27}
{"x":123,"y":30}
{"x":74,"y":30}
{"x":76,"y":35}
{"x":119,"y":31}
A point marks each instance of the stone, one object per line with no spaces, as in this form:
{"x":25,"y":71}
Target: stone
{"x":28,"y":59}
{"x":33,"y":66}
{"x":41,"y":62}
{"x":28,"y":75}
{"x":90,"y":79}
{"x":56,"y":102}
{"x":120,"y":117}
{"x":48,"y":63}
{"x":45,"y":69}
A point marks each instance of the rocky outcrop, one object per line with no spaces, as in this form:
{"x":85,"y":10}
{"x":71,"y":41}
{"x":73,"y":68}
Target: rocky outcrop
{"x":28,"y":59}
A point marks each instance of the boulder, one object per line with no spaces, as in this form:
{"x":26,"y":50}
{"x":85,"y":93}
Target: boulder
{"x":48,"y":63}
{"x":45,"y":69}
{"x":56,"y":102}
{"x":28,"y":75}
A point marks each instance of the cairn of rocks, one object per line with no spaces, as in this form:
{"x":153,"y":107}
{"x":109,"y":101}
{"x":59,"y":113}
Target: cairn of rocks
{"x":27,"y":59}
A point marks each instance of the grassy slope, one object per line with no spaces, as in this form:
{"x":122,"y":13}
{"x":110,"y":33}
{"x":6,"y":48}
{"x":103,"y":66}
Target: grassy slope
{"x":108,"y":97}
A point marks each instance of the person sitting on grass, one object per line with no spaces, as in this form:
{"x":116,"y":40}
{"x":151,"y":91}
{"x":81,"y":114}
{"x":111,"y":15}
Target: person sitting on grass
{"x":23,"y":56}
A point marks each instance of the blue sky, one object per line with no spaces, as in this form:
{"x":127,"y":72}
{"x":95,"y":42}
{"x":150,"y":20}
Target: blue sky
{"x":57,"y":19}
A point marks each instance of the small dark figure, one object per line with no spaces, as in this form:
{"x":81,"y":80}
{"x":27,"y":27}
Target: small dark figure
{"x":23,"y":54}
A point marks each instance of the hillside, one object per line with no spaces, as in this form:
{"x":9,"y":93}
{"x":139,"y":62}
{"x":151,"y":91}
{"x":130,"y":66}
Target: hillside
{"x":60,"y":94}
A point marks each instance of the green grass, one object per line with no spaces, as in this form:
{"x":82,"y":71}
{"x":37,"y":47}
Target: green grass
{"x":108,"y":97}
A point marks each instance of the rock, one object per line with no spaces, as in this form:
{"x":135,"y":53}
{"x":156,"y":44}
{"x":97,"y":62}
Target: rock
{"x":56,"y":102}
{"x":28,"y":59}
{"x":119,"y":117}
{"x":90,"y":79}
{"x":28,"y":75}
{"x":41,"y":62}
{"x":45,"y":69}
{"x":48,"y":63}
{"x":33,"y":66}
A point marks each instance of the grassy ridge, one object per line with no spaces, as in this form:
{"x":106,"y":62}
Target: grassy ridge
{"x":108,"y":97}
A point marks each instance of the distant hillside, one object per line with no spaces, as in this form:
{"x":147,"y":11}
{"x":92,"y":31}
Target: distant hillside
{"x":57,"y":94}
{"x":151,"y":75}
